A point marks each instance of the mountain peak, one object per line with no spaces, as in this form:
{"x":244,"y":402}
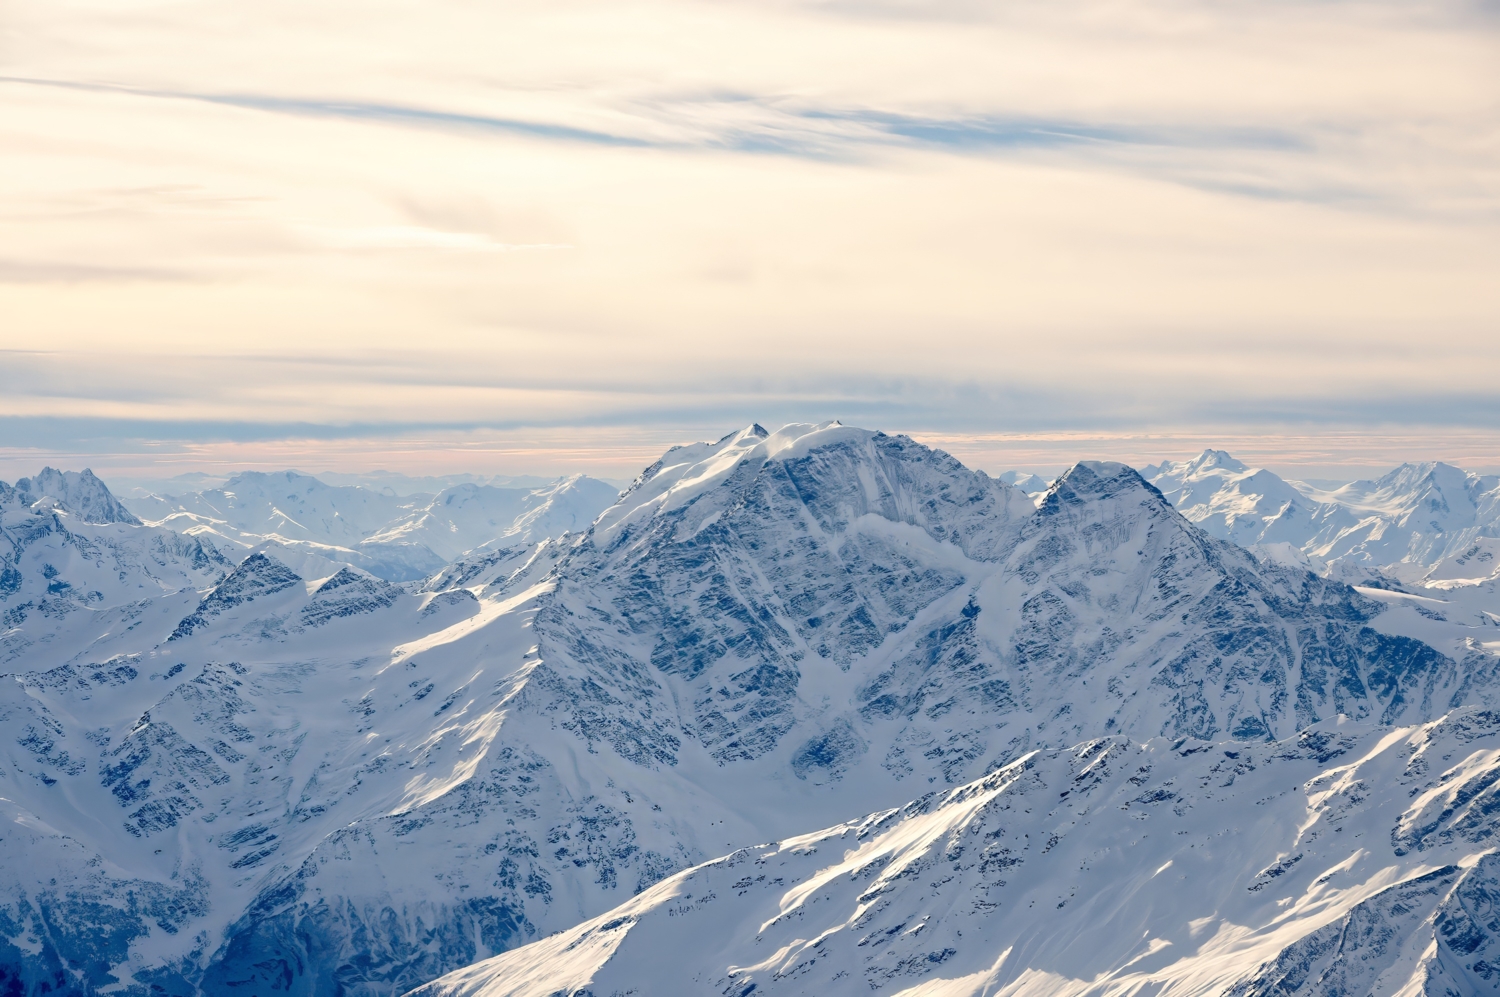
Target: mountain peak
{"x":288,"y":476}
{"x":257,"y":576}
{"x":345,"y":577}
{"x":1217,"y":460}
{"x":685,"y":473}
{"x":769,"y":634}
{"x":1432,"y":473}
{"x":1095,"y":480}
{"x":79,"y":493}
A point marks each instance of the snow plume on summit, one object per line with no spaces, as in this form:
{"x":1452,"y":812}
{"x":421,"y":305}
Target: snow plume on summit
{"x":266,"y":779}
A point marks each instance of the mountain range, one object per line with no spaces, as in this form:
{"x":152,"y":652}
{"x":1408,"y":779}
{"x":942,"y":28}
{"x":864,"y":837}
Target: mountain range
{"x":812,"y":710}
{"x":1417,"y":524}
{"x":399,"y":537}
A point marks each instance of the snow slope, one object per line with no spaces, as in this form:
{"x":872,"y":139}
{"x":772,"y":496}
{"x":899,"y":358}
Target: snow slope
{"x":156,"y":773}
{"x":1349,"y":859}
{"x":275,"y":782}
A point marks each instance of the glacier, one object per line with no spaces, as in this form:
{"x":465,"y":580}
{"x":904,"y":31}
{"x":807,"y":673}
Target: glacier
{"x":252,"y":771}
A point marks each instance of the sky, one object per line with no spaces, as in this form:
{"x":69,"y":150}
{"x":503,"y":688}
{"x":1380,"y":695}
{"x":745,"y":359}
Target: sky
{"x":533,"y":237}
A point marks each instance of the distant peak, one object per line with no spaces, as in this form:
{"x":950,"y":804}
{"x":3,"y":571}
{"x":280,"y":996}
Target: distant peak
{"x":1211,"y":459}
{"x":1093,"y":480}
{"x":345,"y":576}
{"x":78,"y":493}
{"x":289,"y":476}
{"x":260,"y":564}
{"x":1102,"y":468}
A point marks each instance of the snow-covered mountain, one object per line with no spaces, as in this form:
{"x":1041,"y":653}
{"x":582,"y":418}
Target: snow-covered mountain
{"x":274,"y":782}
{"x":396,"y":537}
{"x":1033,"y":485}
{"x":78,"y":493}
{"x":1401,"y":526}
{"x":1346,"y":860}
{"x":73,"y":582}
{"x":468,"y":516}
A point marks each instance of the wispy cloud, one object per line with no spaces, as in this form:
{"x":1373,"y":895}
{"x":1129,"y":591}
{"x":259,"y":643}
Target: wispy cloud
{"x":599,"y":213}
{"x":756,"y":124}
{"x":416,"y":237}
{"x":50,"y":272}
{"x":351,"y":110}
{"x":1207,"y":156}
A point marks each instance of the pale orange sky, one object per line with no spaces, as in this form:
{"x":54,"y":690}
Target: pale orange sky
{"x":291,"y":224}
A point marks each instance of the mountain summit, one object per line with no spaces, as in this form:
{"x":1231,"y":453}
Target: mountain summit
{"x":78,"y":493}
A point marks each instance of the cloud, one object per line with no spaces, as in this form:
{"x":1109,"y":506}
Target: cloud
{"x":349,"y":110}
{"x":752,"y":123}
{"x":14,"y":271}
{"x":416,"y":237}
{"x":1209,"y":155}
{"x":250,"y":396}
{"x":965,"y":218}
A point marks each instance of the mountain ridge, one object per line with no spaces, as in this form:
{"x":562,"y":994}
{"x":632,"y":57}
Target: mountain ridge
{"x":1400,"y":525}
{"x":343,"y":785}
{"x":1043,"y":878}
{"x":396,"y":537}
{"x":78,"y":493}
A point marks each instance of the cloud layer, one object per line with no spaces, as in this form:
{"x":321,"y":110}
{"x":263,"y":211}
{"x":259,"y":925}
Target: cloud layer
{"x":959,"y":218}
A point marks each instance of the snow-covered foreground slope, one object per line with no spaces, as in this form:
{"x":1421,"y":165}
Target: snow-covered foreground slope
{"x":293,"y":783}
{"x":1420,"y":523}
{"x":399,"y":538}
{"x":1348,"y":860}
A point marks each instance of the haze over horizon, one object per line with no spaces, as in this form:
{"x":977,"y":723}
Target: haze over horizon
{"x":618,"y":454}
